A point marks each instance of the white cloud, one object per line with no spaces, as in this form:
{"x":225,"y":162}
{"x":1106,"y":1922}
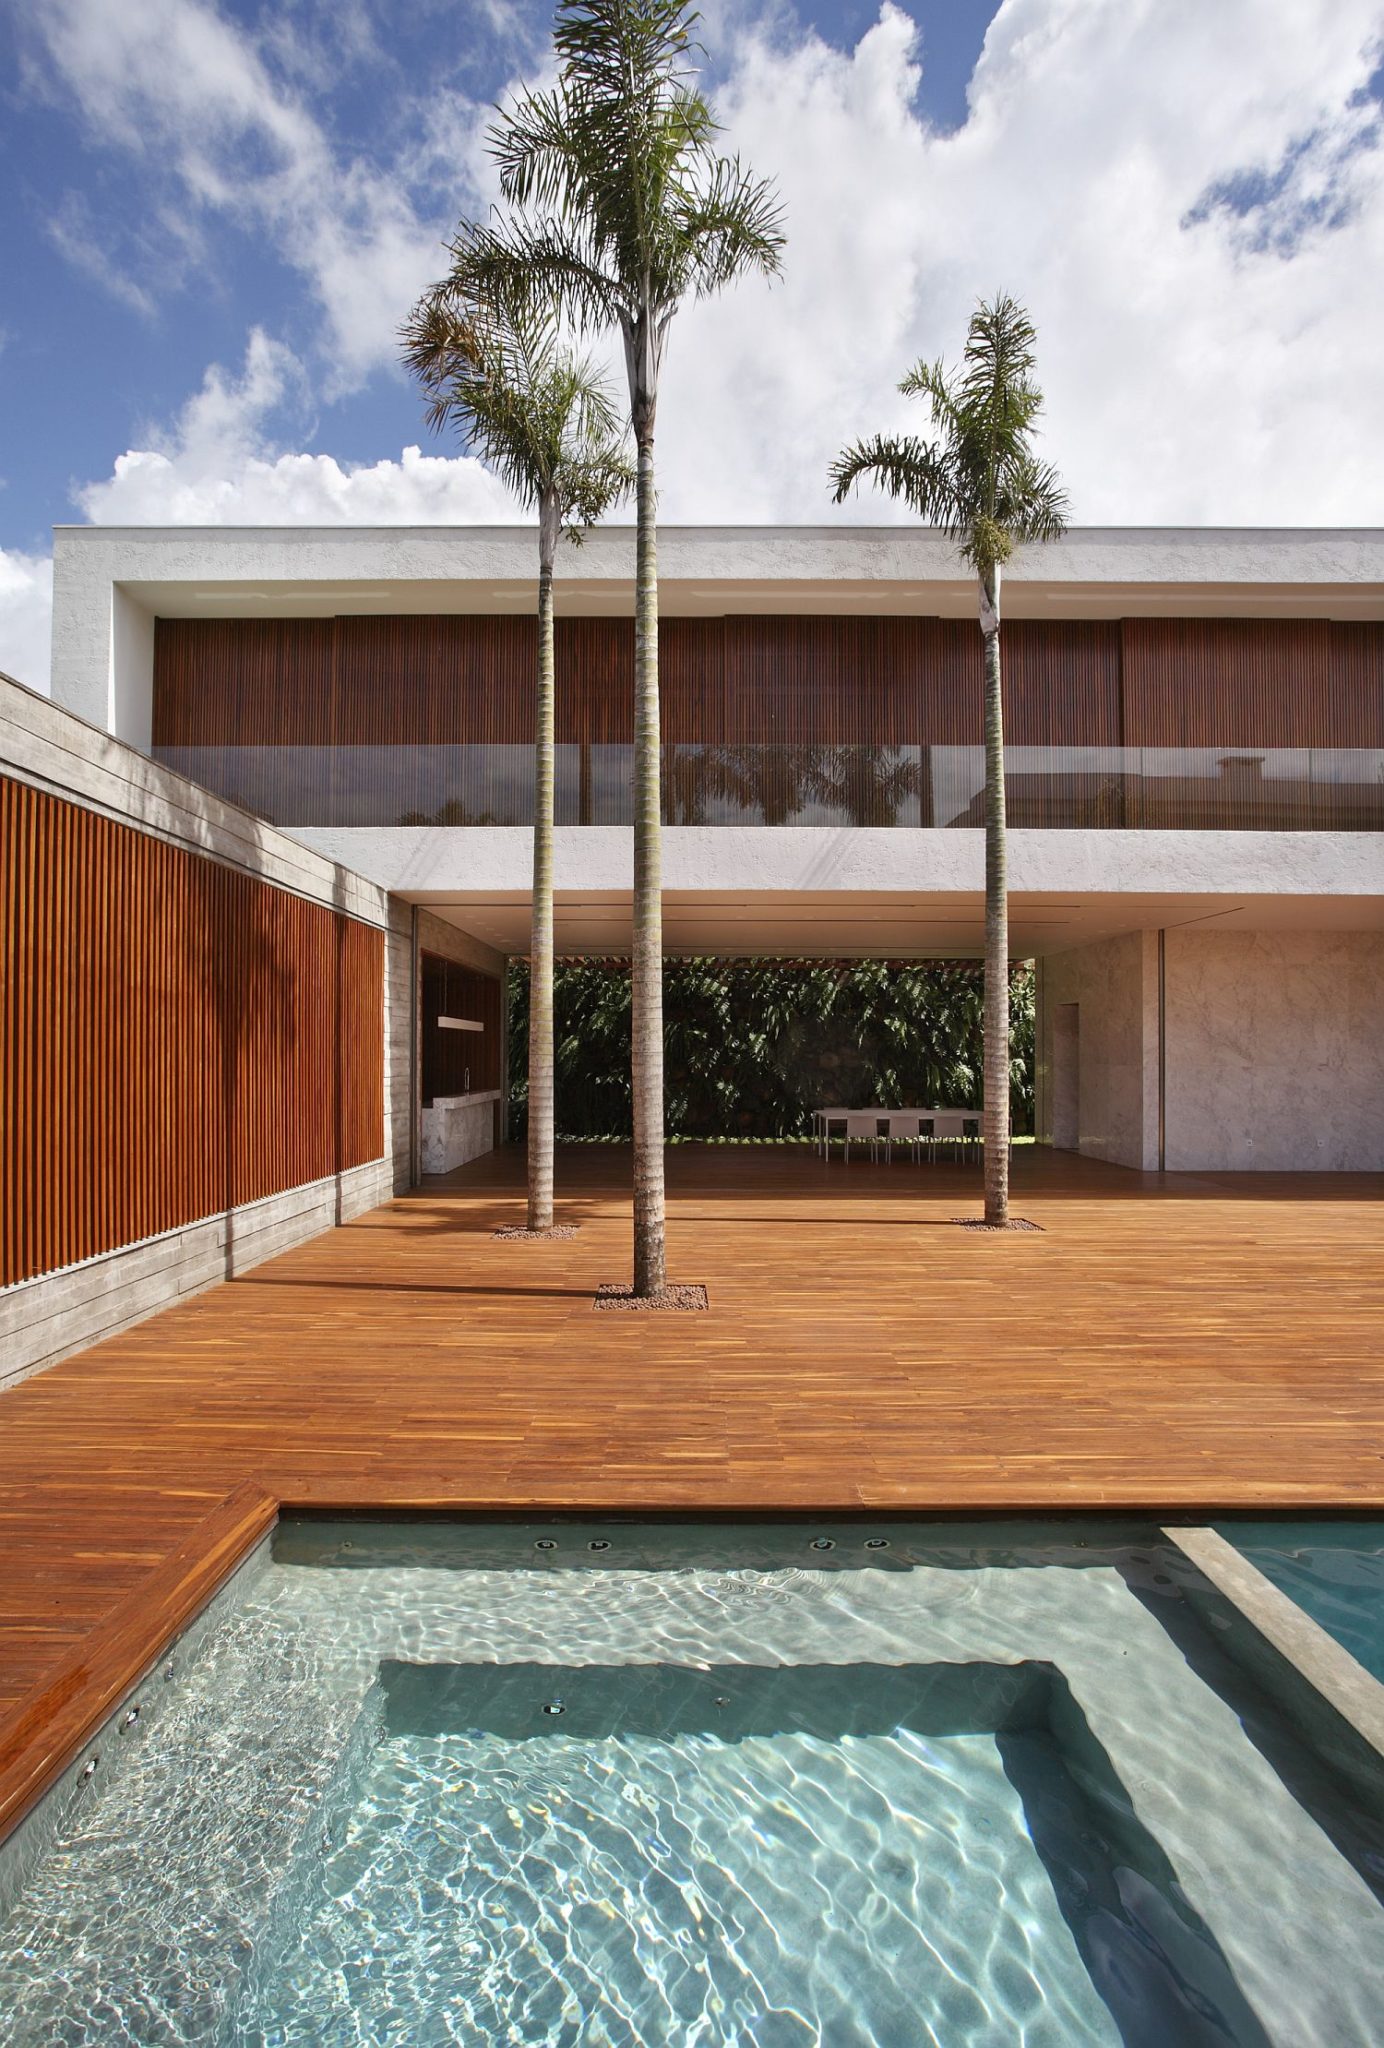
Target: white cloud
{"x":75,"y":235}
{"x":1189,"y":198}
{"x":1194,"y":371}
{"x":215,"y":467}
{"x":196,"y":98}
{"x":26,"y":617}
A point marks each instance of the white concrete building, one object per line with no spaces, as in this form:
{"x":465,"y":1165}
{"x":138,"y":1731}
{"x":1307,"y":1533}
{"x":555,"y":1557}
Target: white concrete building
{"x":1196,"y":772}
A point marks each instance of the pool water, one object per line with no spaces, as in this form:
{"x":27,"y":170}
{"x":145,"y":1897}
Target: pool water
{"x":714,"y":1786}
{"x":1334,"y":1571}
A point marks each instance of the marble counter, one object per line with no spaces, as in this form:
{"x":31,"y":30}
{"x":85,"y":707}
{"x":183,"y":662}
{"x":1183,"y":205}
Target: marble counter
{"x":453,"y":1129}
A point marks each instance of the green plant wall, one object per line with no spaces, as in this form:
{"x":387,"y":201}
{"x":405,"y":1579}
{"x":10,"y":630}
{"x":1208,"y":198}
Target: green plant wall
{"x":751,"y":1047}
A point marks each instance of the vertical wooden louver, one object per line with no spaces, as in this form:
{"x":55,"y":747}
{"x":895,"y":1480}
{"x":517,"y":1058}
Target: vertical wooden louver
{"x":178,"y":1037}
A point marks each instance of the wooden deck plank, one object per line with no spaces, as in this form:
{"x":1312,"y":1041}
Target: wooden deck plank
{"x":1187,"y":1344}
{"x":43,"y":1734}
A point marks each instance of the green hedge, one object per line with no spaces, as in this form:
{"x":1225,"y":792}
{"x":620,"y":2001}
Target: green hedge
{"x":751,"y":1047}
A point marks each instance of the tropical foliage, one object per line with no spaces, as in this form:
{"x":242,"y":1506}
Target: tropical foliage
{"x":753,"y":1046}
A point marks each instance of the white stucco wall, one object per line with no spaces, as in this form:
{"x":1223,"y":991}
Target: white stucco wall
{"x":130,"y":690}
{"x":423,"y":860}
{"x":1274,"y":1048}
{"x":1114,"y":984}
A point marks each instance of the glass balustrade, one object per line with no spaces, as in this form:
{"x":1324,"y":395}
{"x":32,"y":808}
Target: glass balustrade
{"x":1072,"y":788}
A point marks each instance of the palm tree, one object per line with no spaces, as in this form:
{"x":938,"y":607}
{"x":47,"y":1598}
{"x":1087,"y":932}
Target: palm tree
{"x":981,"y":482}
{"x":542,"y":419}
{"x":623,"y":211}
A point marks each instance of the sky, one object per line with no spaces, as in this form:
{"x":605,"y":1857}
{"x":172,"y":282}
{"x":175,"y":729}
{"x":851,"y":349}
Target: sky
{"x":216,"y":215}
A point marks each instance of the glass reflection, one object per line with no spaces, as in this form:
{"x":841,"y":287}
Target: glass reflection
{"x":1211,"y":789}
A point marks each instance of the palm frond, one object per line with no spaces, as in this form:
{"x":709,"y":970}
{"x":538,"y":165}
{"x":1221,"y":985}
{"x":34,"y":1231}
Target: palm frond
{"x":734,"y":223}
{"x":996,"y":492}
{"x":908,"y":468}
{"x":496,"y":369}
{"x":591,"y":485}
{"x":613,"y":41}
{"x":525,"y":263}
{"x":1039,"y":503}
{"x":933,"y":382}
{"x":625,"y":207}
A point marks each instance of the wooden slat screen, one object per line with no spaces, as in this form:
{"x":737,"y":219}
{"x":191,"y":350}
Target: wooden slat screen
{"x":891,"y":681}
{"x":179,"y":1037}
{"x":244,"y":682}
{"x":1228,"y":682}
{"x":1357,"y":679}
{"x":419,"y":720}
{"x":1061,"y":682}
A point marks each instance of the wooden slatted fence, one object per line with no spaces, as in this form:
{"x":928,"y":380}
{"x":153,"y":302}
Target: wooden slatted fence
{"x":178,"y":1037}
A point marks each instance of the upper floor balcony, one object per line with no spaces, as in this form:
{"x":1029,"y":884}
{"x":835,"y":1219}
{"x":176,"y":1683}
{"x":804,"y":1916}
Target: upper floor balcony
{"x":1131,"y":724}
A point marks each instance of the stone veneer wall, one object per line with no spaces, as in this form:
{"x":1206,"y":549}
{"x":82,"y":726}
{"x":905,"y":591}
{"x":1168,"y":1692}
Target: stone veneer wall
{"x":1275,"y":1050}
{"x":1114,"y":983}
{"x":45,"y":1318}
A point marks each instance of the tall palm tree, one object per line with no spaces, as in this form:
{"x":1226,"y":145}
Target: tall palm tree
{"x":623,"y":209}
{"x":542,"y":419}
{"x":982,"y":483}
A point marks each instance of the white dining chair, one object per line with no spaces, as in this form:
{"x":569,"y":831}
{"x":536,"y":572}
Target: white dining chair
{"x":922,"y":1139}
{"x":826,"y":1118}
{"x":862,"y":1127}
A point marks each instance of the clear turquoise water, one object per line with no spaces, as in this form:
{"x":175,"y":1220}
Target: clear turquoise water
{"x":991,"y":1785}
{"x":1334,"y":1570}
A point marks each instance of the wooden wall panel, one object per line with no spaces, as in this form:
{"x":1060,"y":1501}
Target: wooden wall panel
{"x":691,"y":679}
{"x":243,"y":682}
{"x":446,"y":681}
{"x":831,"y":681}
{"x":1227,"y":682}
{"x":178,"y":1037}
{"x":594,"y":659}
{"x":415,"y":681}
{"x":1357,"y":684}
{"x":1061,"y":682}
{"x":451,"y":990}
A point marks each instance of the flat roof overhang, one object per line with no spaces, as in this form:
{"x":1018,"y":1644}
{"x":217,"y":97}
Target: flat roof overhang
{"x":1093,"y":572}
{"x":874,"y":927}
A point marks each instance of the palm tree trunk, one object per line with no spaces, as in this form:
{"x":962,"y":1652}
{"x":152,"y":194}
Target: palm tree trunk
{"x":647,"y":964}
{"x":541,"y":930}
{"x":996,"y":919}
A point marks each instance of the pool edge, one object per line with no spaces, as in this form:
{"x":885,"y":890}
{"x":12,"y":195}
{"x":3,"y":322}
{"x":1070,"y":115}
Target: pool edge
{"x":42,"y":1735}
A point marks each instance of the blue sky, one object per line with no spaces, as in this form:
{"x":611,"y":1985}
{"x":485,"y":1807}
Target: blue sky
{"x":217,"y":214}
{"x":117,"y":316}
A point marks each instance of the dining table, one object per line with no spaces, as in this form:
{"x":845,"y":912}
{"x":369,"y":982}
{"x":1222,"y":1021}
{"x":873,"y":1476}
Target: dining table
{"x":947,"y":1123}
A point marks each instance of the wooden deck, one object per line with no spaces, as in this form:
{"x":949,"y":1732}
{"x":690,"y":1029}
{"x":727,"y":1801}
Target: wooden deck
{"x":1190,"y":1344}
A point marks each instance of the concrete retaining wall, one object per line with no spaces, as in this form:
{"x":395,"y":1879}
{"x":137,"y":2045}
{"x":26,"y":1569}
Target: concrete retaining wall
{"x":55,"y":1314}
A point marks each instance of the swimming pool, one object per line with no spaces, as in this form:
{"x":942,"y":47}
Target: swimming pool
{"x":862,"y":1784}
{"x":1334,"y":1571}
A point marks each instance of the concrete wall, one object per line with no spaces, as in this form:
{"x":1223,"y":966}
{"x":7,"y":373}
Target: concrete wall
{"x":55,"y":1314}
{"x":1113,"y":984}
{"x":47,"y":1317}
{"x":1273,"y":1054}
{"x":1275,"y":1049}
{"x":764,"y":860}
